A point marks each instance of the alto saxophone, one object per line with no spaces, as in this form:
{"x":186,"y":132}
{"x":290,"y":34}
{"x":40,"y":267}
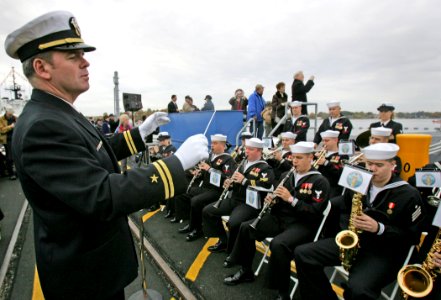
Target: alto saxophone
{"x":347,"y":240}
{"x":417,"y":281}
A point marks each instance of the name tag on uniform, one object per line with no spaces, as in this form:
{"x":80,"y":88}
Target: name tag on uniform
{"x":253,"y":198}
{"x":215,"y":178}
{"x":100,"y":144}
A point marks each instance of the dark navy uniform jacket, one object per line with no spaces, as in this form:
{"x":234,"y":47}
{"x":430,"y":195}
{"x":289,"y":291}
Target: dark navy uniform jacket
{"x":341,"y":124}
{"x":395,"y":126}
{"x":71,"y":178}
{"x":299,"y":127}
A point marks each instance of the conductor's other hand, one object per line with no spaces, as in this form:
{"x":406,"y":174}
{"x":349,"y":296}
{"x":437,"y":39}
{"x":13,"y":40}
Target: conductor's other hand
{"x":192,"y":151}
{"x":152,"y":122}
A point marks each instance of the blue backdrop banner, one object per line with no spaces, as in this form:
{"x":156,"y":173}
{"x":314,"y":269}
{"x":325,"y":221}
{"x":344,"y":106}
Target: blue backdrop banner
{"x":183,"y":125}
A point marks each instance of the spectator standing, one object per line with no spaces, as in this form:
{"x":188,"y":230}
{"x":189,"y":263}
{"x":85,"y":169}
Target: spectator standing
{"x":299,"y":89}
{"x":106,"y":127}
{"x":112,"y":123}
{"x":256,"y":104}
{"x":188,"y":105}
{"x":266,"y":116}
{"x":278,"y":103}
{"x":239,"y":102}
{"x":208,"y":104}
{"x":172,"y":105}
{"x":7,"y":124}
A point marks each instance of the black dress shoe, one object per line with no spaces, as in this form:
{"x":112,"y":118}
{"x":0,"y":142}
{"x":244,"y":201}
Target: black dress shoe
{"x":218,"y":247}
{"x":174,"y":220}
{"x":185,"y":229}
{"x":154,"y":207}
{"x":283,"y":297}
{"x":169,"y":214}
{"x":239,"y":277}
{"x":228,"y":263}
{"x":13,"y":177}
{"x":194,"y":235}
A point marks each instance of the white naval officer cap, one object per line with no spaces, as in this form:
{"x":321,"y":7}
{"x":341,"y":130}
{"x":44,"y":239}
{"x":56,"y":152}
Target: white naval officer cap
{"x":218,"y":138}
{"x":57,"y":30}
{"x":254,"y":142}
{"x":381,"y":131}
{"x":295,"y":103}
{"x":332,"y":104}
{"x":302,"y":147}
{"x":163,"y":135}
{"x":330,"y":134}
{"x":381,"y":151}
{"x":288,"y":135}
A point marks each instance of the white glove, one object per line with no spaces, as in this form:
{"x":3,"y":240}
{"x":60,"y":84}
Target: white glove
{"x":193,"y":150}
{"x":152,"y":122}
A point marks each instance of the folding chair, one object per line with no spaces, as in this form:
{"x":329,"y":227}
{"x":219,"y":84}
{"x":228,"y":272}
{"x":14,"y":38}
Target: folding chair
{"x":340,"y":270}
{"x":268,"y":241}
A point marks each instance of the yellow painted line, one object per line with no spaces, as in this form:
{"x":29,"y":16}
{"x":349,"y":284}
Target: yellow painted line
{"x":338,"y":290}
{"x":198,"y":263}
{"x":149,"y":215}
{"x":37,"y":293}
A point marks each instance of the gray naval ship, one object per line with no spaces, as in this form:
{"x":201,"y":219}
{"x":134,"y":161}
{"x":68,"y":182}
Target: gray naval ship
{"x":14,"y":92}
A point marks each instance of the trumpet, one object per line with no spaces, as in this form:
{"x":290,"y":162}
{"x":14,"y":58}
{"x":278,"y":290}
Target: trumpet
{"x":321,"y":154}
{"x":416,"y":281}
{"x":225,"y":191}
{"x":268,"y":205}
{"x":347,"y":240}
{"x":434,"y":199}
{"x":270,"y":154}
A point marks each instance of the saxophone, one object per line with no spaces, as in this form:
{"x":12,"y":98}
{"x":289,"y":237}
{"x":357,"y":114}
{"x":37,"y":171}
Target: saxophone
{"x":347,"y":240}
{"x":417,"y":281}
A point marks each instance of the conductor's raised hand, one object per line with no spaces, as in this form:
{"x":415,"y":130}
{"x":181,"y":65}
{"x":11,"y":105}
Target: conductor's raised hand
{"x":152,"y":122}
{"x":192,"y":151}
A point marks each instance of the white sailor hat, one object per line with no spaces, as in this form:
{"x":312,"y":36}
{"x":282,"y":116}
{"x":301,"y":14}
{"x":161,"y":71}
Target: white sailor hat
{"x":386,"y":106}
{"x":218,"y":138}
{"x":302,"y":147}
{"x":331,"y":104}
{"x":163,"y":135}
{"x":57,"y":30}
{"x":254,"y":142}
{"x":330,"y":134}
{"x":381,"y":131}
{"x":381,"y":151}
{"x":246,"y":135}
{"x":288,"y":135}
{"x":295,"y":103}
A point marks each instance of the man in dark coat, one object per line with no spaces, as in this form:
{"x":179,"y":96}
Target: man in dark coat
{"x":172,"y":105}
{"x":69,"y":171}
{"x":299,"y":89}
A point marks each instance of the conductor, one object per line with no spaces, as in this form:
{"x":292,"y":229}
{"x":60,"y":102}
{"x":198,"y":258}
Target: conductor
{"x":69,"y":172}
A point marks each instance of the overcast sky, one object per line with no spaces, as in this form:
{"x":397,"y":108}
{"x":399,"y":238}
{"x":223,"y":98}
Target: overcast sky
{"x":361,"y":52}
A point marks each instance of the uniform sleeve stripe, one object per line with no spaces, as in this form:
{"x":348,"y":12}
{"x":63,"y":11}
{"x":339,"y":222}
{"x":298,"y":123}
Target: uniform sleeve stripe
{"x":164,"y":179}
{"x":128,"y":142}
{"x":131,"y":142}
{"x":169,"y":177}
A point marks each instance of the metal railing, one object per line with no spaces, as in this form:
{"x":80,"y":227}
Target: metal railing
{"x":435,"y":148}
{"x":247,"y":125}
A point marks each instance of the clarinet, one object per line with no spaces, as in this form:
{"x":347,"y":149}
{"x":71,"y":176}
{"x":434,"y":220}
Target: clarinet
{"x":196,"y":175}
{"x":225,"y":191}
{"x":268,"y":205}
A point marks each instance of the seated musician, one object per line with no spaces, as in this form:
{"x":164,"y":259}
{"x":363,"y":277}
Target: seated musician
{"x":336,"y":121}
{"x":253,"y":172}
{"x":386,"y":115}
{"x":382,"y":135}
{"x":294,"y":218}
{"x":214,"y":171}
{"x":390,"y":224}
{"x":298,"y":123}
{"x":165,"y":147}
{"x":280,"y":160}
{"x":238,"y":153}
{"x":330,"y":165}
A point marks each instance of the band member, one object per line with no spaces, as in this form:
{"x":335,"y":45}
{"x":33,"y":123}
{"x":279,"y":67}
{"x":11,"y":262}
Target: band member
{"x":390,"y":224}
{"x":214,"y":171}
{"x":254,"y":172}
{"x":239,"y":152}
{"x":298,"y":123}
{"x":280,"y":159}
{"x":386,"y":114}
{"x":165,"y":148}
{"x":330,"y":165}
{"x":382,"y":135}
{"x":336,"y":121}
{"x":293,"y":220}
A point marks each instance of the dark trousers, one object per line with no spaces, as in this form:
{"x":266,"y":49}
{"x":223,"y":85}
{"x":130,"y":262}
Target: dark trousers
{"x":259,"y":128}
{"x":371,"y":271}
{"x":237,"y":210}
{"x":117,"y":296}
{"x":287,"y":236}
{"x":197,"y":204}
{"x":182,"y":202}
{"x":9,"y":160}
